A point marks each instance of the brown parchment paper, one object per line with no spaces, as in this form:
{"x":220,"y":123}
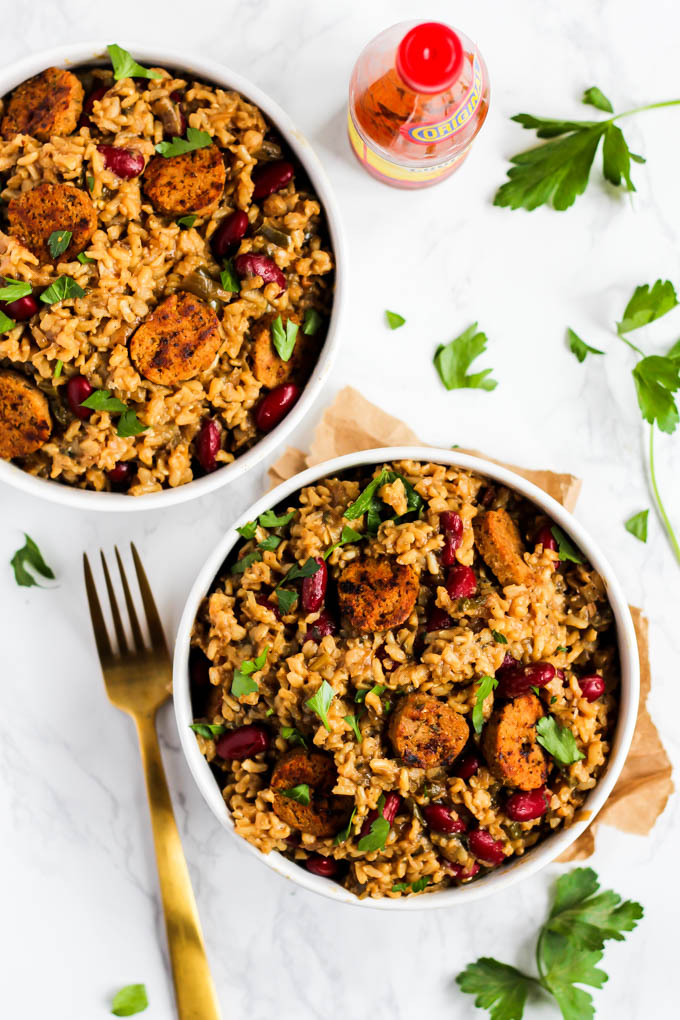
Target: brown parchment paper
{"x":352,"y":423}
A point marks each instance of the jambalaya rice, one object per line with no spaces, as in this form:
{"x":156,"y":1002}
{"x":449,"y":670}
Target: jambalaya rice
{"x":384,"y":783}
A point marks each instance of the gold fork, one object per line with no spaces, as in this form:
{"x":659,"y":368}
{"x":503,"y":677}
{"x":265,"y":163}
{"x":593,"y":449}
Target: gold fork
{"x":138,"y":681}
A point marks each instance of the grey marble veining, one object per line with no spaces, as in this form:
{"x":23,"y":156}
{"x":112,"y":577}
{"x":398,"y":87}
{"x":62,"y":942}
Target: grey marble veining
{"x":80,"y":910}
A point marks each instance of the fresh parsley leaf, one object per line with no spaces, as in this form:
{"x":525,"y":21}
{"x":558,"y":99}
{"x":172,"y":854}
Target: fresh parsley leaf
{"x":368,"y":502}
{"x":500,"y":638}
{"x":377,"y":835}
{"x":242,"y":682}
{"x":195,"y":139}
{"x":29,"y":556}
{"x":101,"y":400}
{"x":57,"y":368}
{"x":536,"y":690}
{"x":394,"y":320}
{"x":308,"y":569}
{"x":284,"y":337}
{"x":58,"y":242}
{"x":187,"y":221}
{"x":63,"y":288}
{"x":553,"y":699}
{"x":248,"y":529}
{"x":588,"y":917}
{"x":351,"y":720}
{"x":421,"y":883}
{"x":561,"y":648}
{"x":270,"y":542}
{"x":245,"y":561}
{"x":228,"y":278}
{"x":637,"y":525}
{"x":565,"y":966}
{"x":376,"y":689}
{"x":579,"y":347}
{"x":311,"y":322}
{"x":293,"y":736}
{"x":14,"y":289}
{"x":498,"y":987}
{"x":286,"y":600}
{"x":616,"y":157}
{"x":6,"y":323}
{"x":208,"y":730}
{"x":566,"y":550}
{"x":320,"y":703}
{"x":647,"y":304}
{"x":400,"y":887}
{"x":559,"y":741}
{"x":130,"y":1000}
{"x":453,"y":360}
{"x":270,"y":711}
{"x":90,"y":183}
{"x":125,"y":67}
{"x":300,"y":793}
{"x":595,"y":97}
{"x":269,"y":519}
{"x":347,"y":535}
{"x":484,"y":688}
{"x":344,"y":833}
{"x":129,"y":424}
{"x":84,"y":259}
{"x":656,"y":379}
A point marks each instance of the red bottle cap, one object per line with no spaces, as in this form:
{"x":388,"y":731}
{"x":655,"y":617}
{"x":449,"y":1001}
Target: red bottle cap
{"x":430,"y":57}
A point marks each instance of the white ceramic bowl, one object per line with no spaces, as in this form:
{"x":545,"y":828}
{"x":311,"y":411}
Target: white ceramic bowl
{"x":517,"y":868}
{"x":95,"y":53}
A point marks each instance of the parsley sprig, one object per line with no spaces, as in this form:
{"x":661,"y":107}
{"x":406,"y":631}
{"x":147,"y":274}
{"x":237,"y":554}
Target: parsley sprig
{"x":570,"y":945}
{"x":453,"y":360}
{"x":557,"y":172}
{"x":195,"y":139}
{"x":128,"y":423}
{"x":124,"y":66}
{"x":242,"y":682}
{"x":284,"y":337}
{"x":368,"y":502}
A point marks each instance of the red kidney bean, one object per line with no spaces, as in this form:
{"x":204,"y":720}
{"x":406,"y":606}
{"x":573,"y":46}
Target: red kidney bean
{"x":77,"y":390}
{"x":314,"y":588}
{"x":513,"y":681}
{"x":438,"y":619}
{"x":274,"y":407}
{"x":125,"y":163}
{"x":271,"y":177}
{"x":88,"y":105}
{"x":121,"y":472}
{"x":207,"y":445}
{"x":468,"y":766}
{"x":262,"y":266}
{"x":522,"y":807}
{"x":20,"y":310}
{"x":392,"y":803}
{"x":326,"y":867}
{"x":321,"y":628}
{"x":243,"y":742}
{"x":294,"y":839}
{"x":592,"y":686}
{"x":452,"y":525}
{"x":459,"y":872}
{"x":262,"y":600}
{"x":228,"y":234}
{"x":440,"y":819}
{"x":485,"y":847}
{"x":461,"y":582}
{"x":546,"y":538}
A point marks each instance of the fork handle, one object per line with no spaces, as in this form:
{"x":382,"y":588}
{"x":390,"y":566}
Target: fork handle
{"x":194,"y":989}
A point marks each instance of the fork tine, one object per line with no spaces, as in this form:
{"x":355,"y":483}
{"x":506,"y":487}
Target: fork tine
{"x":134,"y":622}
{"x":117,"y":622}
{"x":152,"y":617}
{"x":100,"y":635}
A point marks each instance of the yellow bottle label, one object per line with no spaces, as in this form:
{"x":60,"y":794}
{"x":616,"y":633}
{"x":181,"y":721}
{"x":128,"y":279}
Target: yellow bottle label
{"x":393,"y":171}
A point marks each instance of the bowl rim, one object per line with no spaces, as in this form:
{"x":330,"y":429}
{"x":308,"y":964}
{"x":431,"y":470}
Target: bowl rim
{"x":160,"y":56}
{"x":517,"y":870}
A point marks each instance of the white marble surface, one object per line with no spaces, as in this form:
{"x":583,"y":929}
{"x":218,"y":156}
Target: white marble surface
{"x":80,"y":905}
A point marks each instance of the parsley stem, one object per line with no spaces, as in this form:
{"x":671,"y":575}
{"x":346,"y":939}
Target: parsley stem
{"x":651,"y":106}
{"x":660,"y":507}
{"x":631,"y":345}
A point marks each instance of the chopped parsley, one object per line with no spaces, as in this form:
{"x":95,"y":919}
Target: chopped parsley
{"x":14,"y":289}
{"x":58,"y":242}
{"x":320,"y":703}
{"x":300,"y":793}
{"x":293,"y":736}
{"x":228,"y":278}
{"x":128,"y":423}
{"x":270,"y":542}
{"x":484,"y":688}
{"x":187,"y":221}
{"x":130,"y":1000}
{"x":63,"y":288}
{"x":348,"y":535}
{"x":376,"y":837}
{"x":284,"y":337}
{"x":242,"y":683}
{"x":344,"y":833}
{"x":6,"y":323}
{"x":565,"y":547}
{"x":558,"y":741}
{"x":57,"y":368}
{"x":351,"y":721}
{"x":311,"y":322}
{"x":368,"y":502}
{"x":84,"y":259}
{"x":29,"y":556}
{"x":637,"y":525}
{"x":124,"y":66}
{"x":269,"y":519}
{"x":208,"y":730}
{"x":195,"y":139}
{"x":579,"y":347}
{"x":246,"y":561}
{"x":500,"y":638}
{"x":394,"y":320}
{"x":453,"y":360}
{"x":416,"y":887}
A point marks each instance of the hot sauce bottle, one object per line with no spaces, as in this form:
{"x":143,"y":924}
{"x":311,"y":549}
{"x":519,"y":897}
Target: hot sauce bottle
{"x":418,"y":96}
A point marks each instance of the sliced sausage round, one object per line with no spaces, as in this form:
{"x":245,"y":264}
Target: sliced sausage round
{"x":36,"y":214}
{"x":46,"y":105}
{"x":326,"y":812}
{"x":500,"y":546}
{"x":426,"y":732}
{"x":191,"y":183}
{"x":179,"y":340}
{"x":25,"y":421}
{"x":376,"y":594}
{"x":268,"y":367}
{"x":509,"y":742}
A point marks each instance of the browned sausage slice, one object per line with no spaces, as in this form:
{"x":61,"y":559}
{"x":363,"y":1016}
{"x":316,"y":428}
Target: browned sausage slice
{"x":46,"y":105}
{"x":326,"y":812}
{"x":426,"y":732}
{"x":268,"y":367}
{"x":500,"y":546}
{"x":509,"y":742}
{"x":35,"y":214}
{"x":377,"y":594}
{"x":25,"y":421}
{"x":179,"y":340}
{"x":191,"y":183}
